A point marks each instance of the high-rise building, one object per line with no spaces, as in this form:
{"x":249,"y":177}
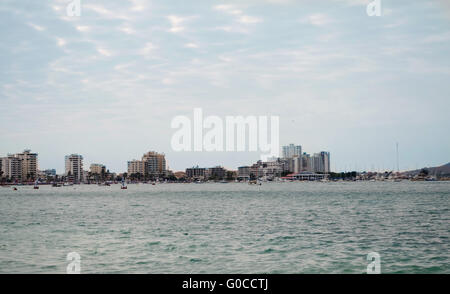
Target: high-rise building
{"x":74,"y":167}
{"x":321,"y":162}
{"x":316,"y":163}
{"x":28,"y":163}
{"x":11,"y":167}
{"x":307,"y":162}
{"x":325,"y":156}
{"x":136,"y":167}
{"x":292,"y":150}
{"x":154,"y":163}
{"x":297,"y":164}
{"x":293,"y":164}
{"x":20,"y":166}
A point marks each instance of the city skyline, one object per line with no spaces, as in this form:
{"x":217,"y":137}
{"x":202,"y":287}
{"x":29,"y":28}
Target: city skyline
{"x":152,"y":161}
{"x":108,"y":83}
{"x":156,"y":163}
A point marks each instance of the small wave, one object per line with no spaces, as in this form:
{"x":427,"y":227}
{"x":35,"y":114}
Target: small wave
{"x":170,"y":248}
{"x":143,"y":262}
{"x":153,"y":243}
{"x":269,"y":250}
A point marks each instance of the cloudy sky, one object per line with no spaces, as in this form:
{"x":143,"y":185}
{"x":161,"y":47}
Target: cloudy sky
{"x":108,"y":83}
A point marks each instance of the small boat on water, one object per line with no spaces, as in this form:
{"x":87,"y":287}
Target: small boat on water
{"x":124,"y":185}
{"x":255,"y":182}
{"x":14,"y":189}
{"x":36,"y":185}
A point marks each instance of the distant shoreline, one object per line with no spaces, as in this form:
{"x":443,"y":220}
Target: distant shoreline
{"x":66,"y":184}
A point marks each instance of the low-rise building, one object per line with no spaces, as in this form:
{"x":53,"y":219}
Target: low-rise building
{"x":244,"y":173}
{"x":196,"y":173}
{"x":97,"y":168}
{"x":180,"y":175}
{"x":305,"y":176}
{"x":50,"y":172}
{"x":217,"y":173}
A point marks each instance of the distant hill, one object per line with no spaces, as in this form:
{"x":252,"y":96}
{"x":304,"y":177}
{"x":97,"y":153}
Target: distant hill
{"x":433,"y":171}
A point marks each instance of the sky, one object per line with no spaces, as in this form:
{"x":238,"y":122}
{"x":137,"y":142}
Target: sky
{"x":107,"y":84}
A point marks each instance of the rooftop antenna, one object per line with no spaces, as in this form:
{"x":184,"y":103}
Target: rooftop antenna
{"x":398,"y":168}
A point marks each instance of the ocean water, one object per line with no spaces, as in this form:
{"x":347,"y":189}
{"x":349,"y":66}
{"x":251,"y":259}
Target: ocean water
{"x":227,"y":228}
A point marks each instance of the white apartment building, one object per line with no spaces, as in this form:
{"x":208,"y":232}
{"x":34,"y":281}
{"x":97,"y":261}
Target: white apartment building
{"x":292,"y":150}
{"x":74,"y":167}
{"x":20,"y":166}
{"x":321,"y":162}
{"x":326,"y":161}
{"x":11,"y":167}
{"x":135,"y":167}
{"x":307,"y":163}
{"x":28,"y":163}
